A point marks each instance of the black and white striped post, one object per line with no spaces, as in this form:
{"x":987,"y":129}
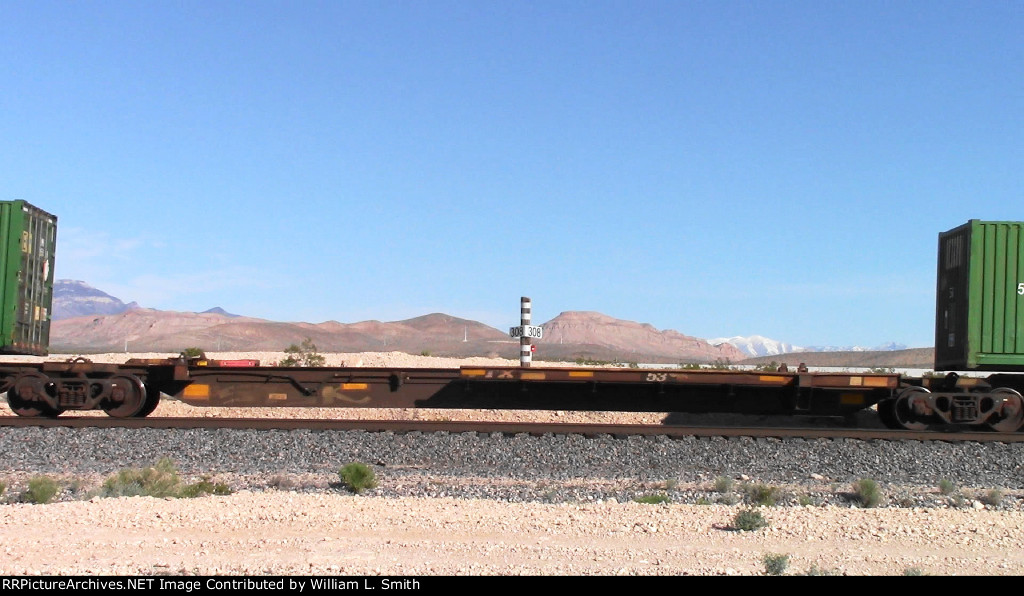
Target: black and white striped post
{"x":525,"y":332}
{"x":525,"y":350}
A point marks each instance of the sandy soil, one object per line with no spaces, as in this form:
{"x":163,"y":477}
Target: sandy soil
{"x":281,"y":532}
{"x":336,"y":534}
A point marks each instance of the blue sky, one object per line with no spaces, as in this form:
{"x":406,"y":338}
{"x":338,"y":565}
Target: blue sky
{"x":720,"y":168}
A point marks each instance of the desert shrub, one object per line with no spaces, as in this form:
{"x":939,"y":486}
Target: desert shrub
{"x":993,"y":497}
{"x":3,"y":488}
{"x":41,"y":490}
{"x":946,"y":486}
{"x":867,"y":493}
{"x":775,"y":563}
{"x":816,"y":571}
{"x":748,"y":520}
{"x":193,"y":353}
{"x":203,"y":487}
{"x":913,"y":572}
{"x":761,"y":494}
{"x":358,"y":477}
{"x":728,"y":499}
{"x":161,"y":480}
{"x":723,"y":484}
{"x":653,"y":499}
{"x":303,"y":355}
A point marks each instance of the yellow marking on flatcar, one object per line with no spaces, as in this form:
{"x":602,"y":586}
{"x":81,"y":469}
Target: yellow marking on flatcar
{"x":773,"y":379}
{"x":355,"y":386}
{"x":851,"y":399}
{"x":584,"y":374}
{"x":473,"y":372}
{"x":532,"y":376}
{"x":876,"y":382}
{"x":856,"y":381}
{"x":197,"y":391}
{"x":202,"y":363}
{"x":278,"y":397}
{"x":966,"y":382}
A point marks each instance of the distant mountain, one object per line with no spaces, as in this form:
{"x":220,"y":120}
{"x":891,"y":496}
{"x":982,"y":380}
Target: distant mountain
{"x":219,"y":311}
{"x":89,"y":320}
{"x":910,"y":358}
{"x":73,"y":298}
{"x":886,"y":347}
{"x":144,"y":330}
{"x":756,"y":345}
{"x":592,"y":334}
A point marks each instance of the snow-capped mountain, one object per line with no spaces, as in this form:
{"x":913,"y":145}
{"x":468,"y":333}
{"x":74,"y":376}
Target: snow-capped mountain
{"x":757,"y":345}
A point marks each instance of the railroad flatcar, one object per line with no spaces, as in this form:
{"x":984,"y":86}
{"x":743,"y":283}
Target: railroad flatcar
{"x":978,"y":327}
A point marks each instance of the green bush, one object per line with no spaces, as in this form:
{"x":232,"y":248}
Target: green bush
{"x":946,"y":486}
{"x":193,"y":353}
{"x":159,"y":481}
{"x":867,"y":493}
{"x":761,"y":494}
{"x":775,"y":564}
{"x":358,"y":477}
{"x":748,"y":520}
{"x":41,"y":490}
{"x":723,"y":484}
{"x":653,"y":499}
{"x":3,"y":488}
{"x":303,"y":355}
{"x":203,"y":487}
{"x":728,"y":499}
{"x":992,"y":498}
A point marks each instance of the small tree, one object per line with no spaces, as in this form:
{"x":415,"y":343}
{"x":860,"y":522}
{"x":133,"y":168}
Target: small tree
{"x":303,"y":355}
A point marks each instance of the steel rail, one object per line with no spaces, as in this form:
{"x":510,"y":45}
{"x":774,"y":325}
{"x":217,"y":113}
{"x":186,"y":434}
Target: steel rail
{"x":509,"y":428}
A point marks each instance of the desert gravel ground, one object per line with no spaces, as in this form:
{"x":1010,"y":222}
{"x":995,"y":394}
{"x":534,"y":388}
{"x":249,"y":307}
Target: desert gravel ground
{"x":335,"y":533}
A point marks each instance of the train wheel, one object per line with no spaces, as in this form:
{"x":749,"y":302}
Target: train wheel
{"x":33,"y":409}
{"x":902,"y":409}
{"x":128,"y":397}
{"x":152,"y":401}
{"x":886,"y":415}
{"x":1011,"y":411}
{"x":30,"y":386}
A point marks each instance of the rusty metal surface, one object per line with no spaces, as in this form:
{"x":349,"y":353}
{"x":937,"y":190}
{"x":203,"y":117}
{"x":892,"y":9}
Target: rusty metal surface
{"x":585,"y":389}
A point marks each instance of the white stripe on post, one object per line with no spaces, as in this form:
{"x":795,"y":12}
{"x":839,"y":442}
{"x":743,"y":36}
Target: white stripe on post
{"x":525,"y":354}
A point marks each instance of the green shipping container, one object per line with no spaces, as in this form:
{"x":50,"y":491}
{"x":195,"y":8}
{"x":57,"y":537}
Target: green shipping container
{"x":979,"y":313}
{"x":28,"y":237}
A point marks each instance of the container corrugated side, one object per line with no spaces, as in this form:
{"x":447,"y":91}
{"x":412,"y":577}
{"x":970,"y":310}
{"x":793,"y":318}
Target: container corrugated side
{"x":980,"y":297}
{"x":28,"y":237}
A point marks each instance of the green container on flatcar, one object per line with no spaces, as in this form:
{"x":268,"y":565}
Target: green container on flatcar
{"x":28,"y":237}
{"x":979,"y":313}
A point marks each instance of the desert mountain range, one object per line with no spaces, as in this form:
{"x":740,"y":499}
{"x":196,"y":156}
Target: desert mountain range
{"x":87,"y":320}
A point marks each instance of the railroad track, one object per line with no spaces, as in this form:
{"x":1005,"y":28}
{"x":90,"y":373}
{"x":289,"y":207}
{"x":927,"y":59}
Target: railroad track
{"x":510,"y":428}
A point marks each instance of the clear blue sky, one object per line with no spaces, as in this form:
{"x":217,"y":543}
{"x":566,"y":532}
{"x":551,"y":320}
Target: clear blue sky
{"x":719,"y":167}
